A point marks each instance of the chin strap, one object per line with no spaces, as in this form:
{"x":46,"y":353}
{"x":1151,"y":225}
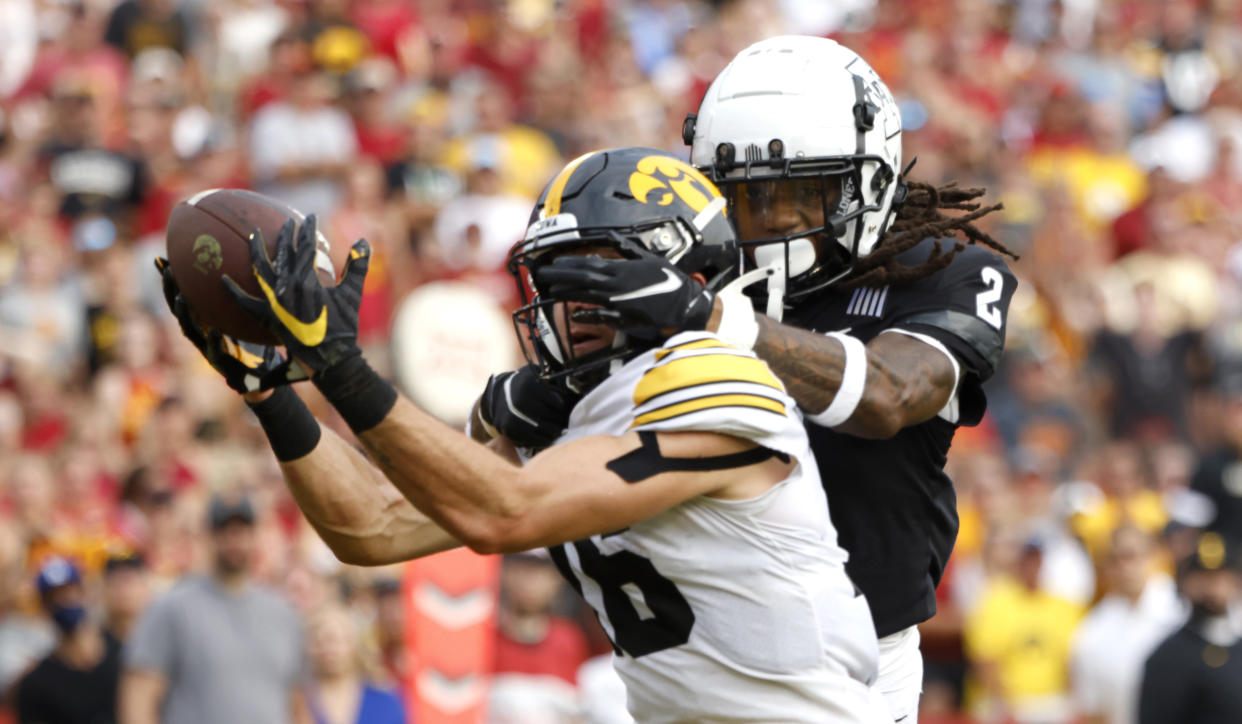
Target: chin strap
{"x":738,"y":326}
{"x":618,"y":344}
{"x":776,"y":289}
{"x":704,"y":217}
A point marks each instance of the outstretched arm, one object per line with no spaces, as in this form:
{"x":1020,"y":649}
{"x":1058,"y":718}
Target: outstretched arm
{"x":566,"y":493}
{"x":356,"y":511}
{"x":353,"y":508}
{"x":907,"y":380}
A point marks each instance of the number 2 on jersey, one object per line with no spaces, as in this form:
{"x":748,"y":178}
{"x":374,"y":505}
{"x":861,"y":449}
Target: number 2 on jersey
{"x":985,"y":300}
{"x":671,"y":619}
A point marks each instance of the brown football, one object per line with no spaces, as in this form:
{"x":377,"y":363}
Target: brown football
{"x":207,"y":239}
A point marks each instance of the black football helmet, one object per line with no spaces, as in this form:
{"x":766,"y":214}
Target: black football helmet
{"x":620,"y":202}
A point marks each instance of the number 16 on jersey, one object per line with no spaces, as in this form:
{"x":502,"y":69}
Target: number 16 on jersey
{"x":611,"y":583}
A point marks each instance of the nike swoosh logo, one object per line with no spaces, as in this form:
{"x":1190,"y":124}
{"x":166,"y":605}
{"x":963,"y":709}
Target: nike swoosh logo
{"x":670,"y":283}
{"x":310,"y":334}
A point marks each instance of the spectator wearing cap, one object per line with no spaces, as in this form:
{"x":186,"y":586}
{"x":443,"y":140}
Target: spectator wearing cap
{"x":137,"y":25}
{"x":1219,"y":474}
{"x":1195,"y":675}
{"x":126,"y":591}
{"x":219,"y":648}
{"x":77,"y":682}
{"x":1018,"y":640}
{"x":1116,"y":637}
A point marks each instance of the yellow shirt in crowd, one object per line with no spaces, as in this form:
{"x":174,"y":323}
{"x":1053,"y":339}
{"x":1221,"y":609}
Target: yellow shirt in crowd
{"x":1144,"y":509}
{"x":1027,"y":635}
{"x":524,"y":157}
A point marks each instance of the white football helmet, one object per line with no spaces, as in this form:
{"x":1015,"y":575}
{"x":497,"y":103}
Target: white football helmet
{"x":804,"y":114}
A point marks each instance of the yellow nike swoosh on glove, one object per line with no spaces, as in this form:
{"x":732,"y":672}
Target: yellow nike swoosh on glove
{"x":310,"y":334}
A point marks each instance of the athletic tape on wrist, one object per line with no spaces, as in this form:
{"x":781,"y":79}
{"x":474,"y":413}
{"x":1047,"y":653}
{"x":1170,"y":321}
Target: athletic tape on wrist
{"x":291,"y":429}
{"x":362,"y":397}
{"x":853,"y":380}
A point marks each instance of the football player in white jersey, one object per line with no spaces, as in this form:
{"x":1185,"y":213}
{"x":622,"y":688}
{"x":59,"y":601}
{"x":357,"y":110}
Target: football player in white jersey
{"x":682,"y":501}
{"x":884,"y":315}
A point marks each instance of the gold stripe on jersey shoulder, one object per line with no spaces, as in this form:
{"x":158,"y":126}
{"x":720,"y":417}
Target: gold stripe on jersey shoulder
{"x":708,"y":402}
{"x":697,"y":344}
{"x":552,"y":204}
{"x":701,"y":370}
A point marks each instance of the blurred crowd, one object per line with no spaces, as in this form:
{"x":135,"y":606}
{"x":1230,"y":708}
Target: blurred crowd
{"x":1110,"y":129}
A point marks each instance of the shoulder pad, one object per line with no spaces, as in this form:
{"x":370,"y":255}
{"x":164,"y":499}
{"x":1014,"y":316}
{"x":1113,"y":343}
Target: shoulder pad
{"x":702,"y":373}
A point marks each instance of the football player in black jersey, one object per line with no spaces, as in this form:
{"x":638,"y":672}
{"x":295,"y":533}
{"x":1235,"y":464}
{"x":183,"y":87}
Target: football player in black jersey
{"x":888,"y":331}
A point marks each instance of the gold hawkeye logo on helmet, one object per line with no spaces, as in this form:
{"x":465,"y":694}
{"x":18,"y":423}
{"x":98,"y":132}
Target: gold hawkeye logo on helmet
{"x":658,"y":178}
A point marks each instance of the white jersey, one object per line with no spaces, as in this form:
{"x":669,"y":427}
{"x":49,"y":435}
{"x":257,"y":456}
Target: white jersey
{"x":724,"y":610}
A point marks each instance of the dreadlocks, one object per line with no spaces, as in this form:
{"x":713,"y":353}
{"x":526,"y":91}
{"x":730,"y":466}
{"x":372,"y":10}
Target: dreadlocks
{"x":920,"y":217}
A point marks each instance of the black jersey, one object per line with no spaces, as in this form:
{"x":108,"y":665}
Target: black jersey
{"x":55,"y":693}
{"x":891,"y":501}
{"x":1190,"y":680}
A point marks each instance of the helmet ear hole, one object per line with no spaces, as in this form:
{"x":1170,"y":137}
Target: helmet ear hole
{"x":900,"y":194}
{"x":880,"y":180}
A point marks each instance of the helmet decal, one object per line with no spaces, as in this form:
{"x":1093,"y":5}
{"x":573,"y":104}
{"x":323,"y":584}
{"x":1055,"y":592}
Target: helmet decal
{"x":624,"y":203}
{"x":674,"y":177}
{"x":552,"y":203}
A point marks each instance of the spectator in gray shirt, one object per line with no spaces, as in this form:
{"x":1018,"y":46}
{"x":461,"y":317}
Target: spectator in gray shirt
{"x":219,"y":649}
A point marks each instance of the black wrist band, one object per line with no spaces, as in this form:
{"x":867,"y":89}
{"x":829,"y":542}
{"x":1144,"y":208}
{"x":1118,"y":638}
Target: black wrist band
{"x":357,"y":392}
{"x":291,"y":429}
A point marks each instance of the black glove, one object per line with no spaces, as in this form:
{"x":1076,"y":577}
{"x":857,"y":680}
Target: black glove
{"x":529,"y":411}
{"x":245,"y":367}
{"x":318,"y":325}
{"x":647,"y":297}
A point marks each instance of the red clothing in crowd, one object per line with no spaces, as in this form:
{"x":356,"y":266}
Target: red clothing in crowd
{"x":384,"y":22}
{"x":560,"y":653}
{"x":379,"y":140}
